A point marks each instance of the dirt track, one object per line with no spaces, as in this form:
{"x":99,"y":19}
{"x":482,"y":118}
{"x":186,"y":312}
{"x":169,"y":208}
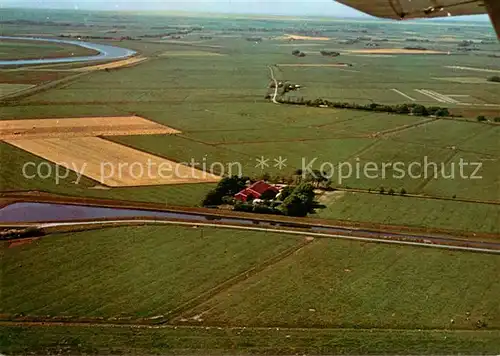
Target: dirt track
{"x":79,"y":127}
{"x":113,"y":65}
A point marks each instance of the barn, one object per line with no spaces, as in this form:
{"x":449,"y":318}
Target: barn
{"x":256,"y":191}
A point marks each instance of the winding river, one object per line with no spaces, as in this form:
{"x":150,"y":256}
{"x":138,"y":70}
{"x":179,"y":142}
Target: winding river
{"x":106,"y":52}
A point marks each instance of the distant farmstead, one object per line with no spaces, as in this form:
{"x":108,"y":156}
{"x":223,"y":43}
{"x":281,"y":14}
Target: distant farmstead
{"x":256,"y":191}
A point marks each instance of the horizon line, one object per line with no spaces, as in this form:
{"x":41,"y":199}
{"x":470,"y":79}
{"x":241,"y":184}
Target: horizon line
{"x":360,"y":16}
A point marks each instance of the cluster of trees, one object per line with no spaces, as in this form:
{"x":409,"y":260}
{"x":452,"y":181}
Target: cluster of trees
{"x":178,"y":32}
{"x":414,"y":109}
{"x":329,"y":53}
{"x":86,"y":37}
{"x":254,"y":39}
{"x":266,"y":207}
{"x":494,"y":79}
{"x":417,"y":40}
{"x":298,"y":53}
{"x":391,"y":191}
{"x":483,"y":118}
{"x":299,"y":201}
{"x":38,"y":23}
{"x":315,"y":177}
{"x":227,"y":188}
{"x":416,"y":48}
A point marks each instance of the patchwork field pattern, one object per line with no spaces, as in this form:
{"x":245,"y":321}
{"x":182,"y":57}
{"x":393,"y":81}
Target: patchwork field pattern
{"x":113,"y":164}
{"x":79,"y":127}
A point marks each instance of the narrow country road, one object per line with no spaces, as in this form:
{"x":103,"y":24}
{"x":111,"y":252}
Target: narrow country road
{"x":429,"y":242}
{"x":275,"y":85}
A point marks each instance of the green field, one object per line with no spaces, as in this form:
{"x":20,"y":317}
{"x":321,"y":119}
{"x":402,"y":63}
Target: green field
{"x":383,"y":209}
{"x":17,"y":49}
{"x":6,"y":89}
{"x":364,"y":297}
{"x":127,"y":272}
{"x":336,"y":284}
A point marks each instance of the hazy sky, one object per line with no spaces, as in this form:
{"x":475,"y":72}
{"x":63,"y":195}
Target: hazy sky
{"x":279,"y":7}
{"x":274,"y":7}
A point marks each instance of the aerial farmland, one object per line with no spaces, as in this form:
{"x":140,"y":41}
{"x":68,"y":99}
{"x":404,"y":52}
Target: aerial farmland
{"x":403,"y":255}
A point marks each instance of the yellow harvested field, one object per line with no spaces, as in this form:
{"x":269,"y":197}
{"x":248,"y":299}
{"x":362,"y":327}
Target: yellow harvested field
{"x":112,"y":164}
{"x":304,"y":38}
{"x":77,"y":127}
{"x":395,"y":51}
{"x":113,"y":65}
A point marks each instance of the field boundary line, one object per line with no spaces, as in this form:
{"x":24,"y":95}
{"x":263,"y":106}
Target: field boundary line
{"x":429,"y":197}
{"x":242,"y":327}
{"x":403,"y":94}
{"x":409,"y":126}
{"x":221,"y":147}
{"x":41,"y":88}
{"x":458,"y":149}
{"x":361,"y":136}
{"x":211,"y":293}
{"x":421,"y":186}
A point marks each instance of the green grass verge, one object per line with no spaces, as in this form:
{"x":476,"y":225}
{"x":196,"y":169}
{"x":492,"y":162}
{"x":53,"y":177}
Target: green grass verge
{"x":79,"y":340}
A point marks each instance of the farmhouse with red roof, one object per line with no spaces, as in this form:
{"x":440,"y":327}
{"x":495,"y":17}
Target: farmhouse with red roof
{"x":255,"y":191}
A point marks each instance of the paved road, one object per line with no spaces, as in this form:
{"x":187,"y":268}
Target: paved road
{"x":427,"y":243}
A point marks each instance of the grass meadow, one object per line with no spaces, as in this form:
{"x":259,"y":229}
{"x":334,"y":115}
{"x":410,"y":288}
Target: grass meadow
{"x":247,"y":341}
{"x":444,"y":214}
{"x":341,"y":284}
{"x":336,"y":296}
{"x":15,"y":49}
{"x":128,"y":272}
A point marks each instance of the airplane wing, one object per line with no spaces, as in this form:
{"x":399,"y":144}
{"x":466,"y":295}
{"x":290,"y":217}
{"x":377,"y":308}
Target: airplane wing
{"x":407,"y":9}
